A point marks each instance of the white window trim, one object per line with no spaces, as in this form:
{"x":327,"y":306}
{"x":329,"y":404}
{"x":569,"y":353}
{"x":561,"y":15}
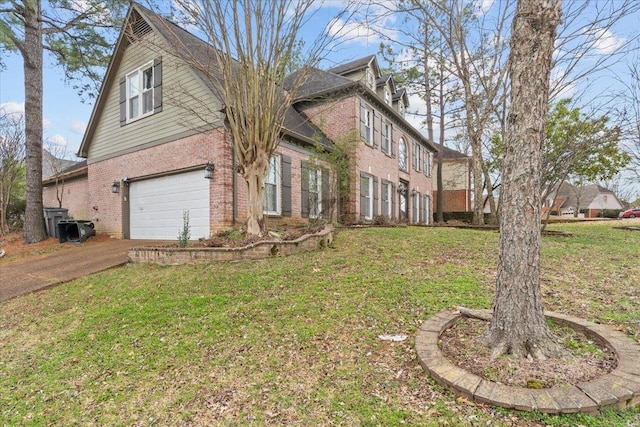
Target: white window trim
{"x":389,"y":186}
{"x":416,"y":208}
{"x":318,"y":174}
{"x":426,"y":201}
{"x":386,"y":138}
{"x":369,"y":125}
{"x":402,"y":142}
{"x":278,"y":184}
{"x":139,"y":73}
{"x":369,"y":178}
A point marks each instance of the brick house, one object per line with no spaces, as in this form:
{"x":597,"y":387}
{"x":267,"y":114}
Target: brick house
{"x":456,"y":181}
{"x":150,"y":144}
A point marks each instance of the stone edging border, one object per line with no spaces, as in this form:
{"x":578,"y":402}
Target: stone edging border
{"x":619,"y":388}
{"x":258,"y":250}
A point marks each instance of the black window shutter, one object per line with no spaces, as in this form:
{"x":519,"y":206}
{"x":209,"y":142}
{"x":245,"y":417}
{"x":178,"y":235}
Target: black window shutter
{"x":393,"y":197}
{"x":286,"y":185}
{"x":123,"y":101}
{"x":326,"y":193}
{"x":393,"y":143}
{"x":304,"y":194}
{"x":157,"y":85}
{"x":363,"y":123}
{"x":363,"y":198}
{"x":375,"y":196}
{"x":375,"y":129}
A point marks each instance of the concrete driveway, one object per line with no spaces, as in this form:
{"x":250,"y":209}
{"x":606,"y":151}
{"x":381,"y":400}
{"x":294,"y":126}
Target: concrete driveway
{"x":30,"y":274}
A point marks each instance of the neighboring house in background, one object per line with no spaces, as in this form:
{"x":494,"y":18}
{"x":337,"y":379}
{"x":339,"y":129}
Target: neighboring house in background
{"x":148,"y":144}
{"x":456,"y":181}
{"x":51,"y":165}
{"x":591,"y":199}
{"x":72,"y":187}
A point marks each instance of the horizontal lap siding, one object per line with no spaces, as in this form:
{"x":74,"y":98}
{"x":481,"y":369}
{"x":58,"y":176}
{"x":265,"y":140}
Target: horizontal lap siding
{"x":173,"y":122}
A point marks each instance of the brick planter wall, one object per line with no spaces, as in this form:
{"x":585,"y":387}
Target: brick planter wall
{"x":259,"y":250}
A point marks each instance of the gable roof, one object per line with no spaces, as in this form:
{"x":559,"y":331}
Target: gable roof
{"x":192,"y":50}
{"x":52,"y":165}
{"x":450,"y":154}
{"x":385,"y":79}
{"x":401,"y":94}
{"x":78,"y":169}
{"x":587,"y":194}
{"x":356,"y":65}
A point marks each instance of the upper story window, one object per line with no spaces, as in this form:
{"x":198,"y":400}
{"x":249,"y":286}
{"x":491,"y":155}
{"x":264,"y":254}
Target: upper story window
{"x":401,"y":108}
{"x":272,"y":187}
{"x":402,"y":154}
{"x":140,"y":92}
{"x":426,"y":158}
{"x":366,"y":124}
{"x":386,"y":137}
{"x":416,"y":156}
{"x":387,"y":96}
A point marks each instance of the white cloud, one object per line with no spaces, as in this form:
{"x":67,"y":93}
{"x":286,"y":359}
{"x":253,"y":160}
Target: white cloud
{"x":12,"y":107}
{"x":56,"y":140}
{"x":353,"y":32}
{"x":46,"y":123}
{"x":485,"y":5}
{"x":605,"y":42}
{"x":78,"y":127}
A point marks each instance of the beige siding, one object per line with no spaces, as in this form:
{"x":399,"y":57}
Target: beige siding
{"x":176,"y":120}
{"x":455,"y":175}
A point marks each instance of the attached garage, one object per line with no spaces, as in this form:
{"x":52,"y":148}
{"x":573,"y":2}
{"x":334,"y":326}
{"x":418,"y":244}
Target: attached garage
{"x":156,"y":206}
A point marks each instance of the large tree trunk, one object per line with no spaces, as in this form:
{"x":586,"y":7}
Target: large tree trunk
{"x":518,"y":324}
{"x":34,"y":215}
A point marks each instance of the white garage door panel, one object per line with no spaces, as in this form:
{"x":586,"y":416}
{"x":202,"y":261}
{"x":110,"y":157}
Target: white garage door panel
{"x":157,"y":205}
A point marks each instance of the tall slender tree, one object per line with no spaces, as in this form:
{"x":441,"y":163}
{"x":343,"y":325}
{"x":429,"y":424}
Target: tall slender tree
{"x":71,"y":32}
{"x":518,"y":323}
{"x":254,"y":43}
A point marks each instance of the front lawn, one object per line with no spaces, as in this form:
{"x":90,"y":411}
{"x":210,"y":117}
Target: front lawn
{"x":292,"y":340}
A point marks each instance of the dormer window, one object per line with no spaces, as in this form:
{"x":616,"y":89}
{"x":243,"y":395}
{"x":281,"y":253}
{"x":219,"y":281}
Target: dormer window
{"x":387,"y":96}
{"x":371,"y":82}
{"x":401,"y":108}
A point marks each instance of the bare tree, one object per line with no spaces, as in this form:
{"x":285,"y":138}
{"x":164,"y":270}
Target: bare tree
{"x":518,"y":324}
{"x":429,"y":74}
{"x":253,"y":43}
{"x":12,"y":152}
{"x":68,"y":31}
{"x":476,"y":48}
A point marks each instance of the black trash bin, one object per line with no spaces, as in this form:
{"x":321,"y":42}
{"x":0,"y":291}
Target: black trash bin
{"x":76,"y":231}
{"x":52,"y":217}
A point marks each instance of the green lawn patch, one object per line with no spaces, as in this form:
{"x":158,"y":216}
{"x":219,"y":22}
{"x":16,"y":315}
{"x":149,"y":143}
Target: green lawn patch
{"x":290,"y":340}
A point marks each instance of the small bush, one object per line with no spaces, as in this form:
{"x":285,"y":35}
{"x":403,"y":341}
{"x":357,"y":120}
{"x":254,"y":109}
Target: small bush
{"x":185,"y":233}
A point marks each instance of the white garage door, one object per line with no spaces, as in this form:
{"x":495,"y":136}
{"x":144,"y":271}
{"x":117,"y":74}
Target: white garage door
{"x":157,"y":206}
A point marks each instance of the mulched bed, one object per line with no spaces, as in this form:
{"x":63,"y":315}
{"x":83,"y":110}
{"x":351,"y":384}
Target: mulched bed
{"x":586,"y":358}
{"x":239,"y":239}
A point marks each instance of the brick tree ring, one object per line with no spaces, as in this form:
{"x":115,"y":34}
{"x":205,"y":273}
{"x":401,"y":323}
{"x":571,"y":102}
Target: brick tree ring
{"x":620,"y":388}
